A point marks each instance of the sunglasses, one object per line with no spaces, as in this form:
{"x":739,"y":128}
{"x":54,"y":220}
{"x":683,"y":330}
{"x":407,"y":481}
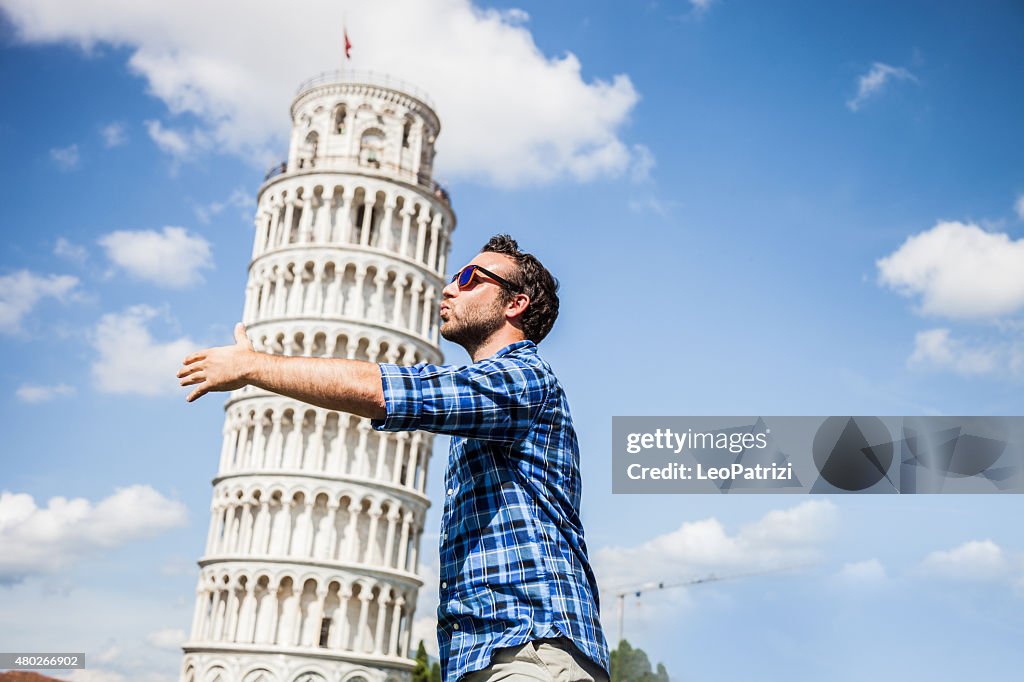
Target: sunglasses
{"x":464,"y":278}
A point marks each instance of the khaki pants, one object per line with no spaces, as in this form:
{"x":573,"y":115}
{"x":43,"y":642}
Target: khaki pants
{"x":548,"y":660}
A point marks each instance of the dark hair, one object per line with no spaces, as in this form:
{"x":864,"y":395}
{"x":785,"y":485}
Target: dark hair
{"x":534,"y":280}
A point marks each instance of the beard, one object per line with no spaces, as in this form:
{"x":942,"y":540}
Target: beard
{"x":472,"y":328}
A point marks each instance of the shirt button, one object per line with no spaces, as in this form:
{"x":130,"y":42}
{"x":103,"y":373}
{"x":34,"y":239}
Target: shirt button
{"x":444,"y":585}
{"x":451,"y":491}
{"x":455,"y":627}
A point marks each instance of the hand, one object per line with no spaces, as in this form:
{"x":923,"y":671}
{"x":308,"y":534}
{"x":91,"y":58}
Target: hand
{"x":223,"y":368}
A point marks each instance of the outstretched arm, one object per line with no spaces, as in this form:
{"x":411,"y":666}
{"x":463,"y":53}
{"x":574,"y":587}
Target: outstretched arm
{"x":350,"y":386}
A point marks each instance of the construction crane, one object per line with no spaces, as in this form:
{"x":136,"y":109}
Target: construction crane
{"x":620,"y":596}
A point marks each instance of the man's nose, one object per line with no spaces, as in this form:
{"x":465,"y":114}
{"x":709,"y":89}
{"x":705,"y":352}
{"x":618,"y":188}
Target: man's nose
{"x":450,"y":291}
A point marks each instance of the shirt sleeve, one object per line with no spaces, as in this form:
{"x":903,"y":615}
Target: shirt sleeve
{"x":495,"y":399}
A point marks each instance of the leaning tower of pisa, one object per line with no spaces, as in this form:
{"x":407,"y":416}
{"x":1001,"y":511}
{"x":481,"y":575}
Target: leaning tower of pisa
{"x":309,"y":572}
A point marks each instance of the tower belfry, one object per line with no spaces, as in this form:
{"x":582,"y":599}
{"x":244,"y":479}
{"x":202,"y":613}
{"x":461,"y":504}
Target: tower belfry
{"x":309,"y":571}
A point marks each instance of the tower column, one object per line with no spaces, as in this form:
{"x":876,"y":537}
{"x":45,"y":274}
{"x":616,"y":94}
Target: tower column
{"x":426,"y":317}
{"x":435,"y":225}
{"x":403,"y":543}
{"x":415,"y":305}
{"x":396,"y":618}
{"x":314,"y":618}
{"x":414,"y":549}
{"x":231,"y":621}
{"x":314,"y":460}
{"x":352,"y":540}
{"x":247,"y":526}
{"x":382,"y":612}
{"x":362,"y":632}
{"x":400,"y":456}
{"x":403,"y":247}
{"x":380,"y":281}
{"x":340,"y":635}
{"x":306,"y":224}
{"x":421,"y":233}
{"x":345,"y":215}
{"x":371,"y":539}
{"x":289,"y":217}
{"x":396,"y":313}
{"x":332,"y":536}
{"x":364,"y":230}
{"x":322,"y":221}
{"x":247,"y":618}
{"x":385,"y":225}
{"x":389,"y":540}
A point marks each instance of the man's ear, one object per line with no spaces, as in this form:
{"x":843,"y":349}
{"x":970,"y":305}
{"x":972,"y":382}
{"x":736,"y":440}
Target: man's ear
{"x":517,"y":306}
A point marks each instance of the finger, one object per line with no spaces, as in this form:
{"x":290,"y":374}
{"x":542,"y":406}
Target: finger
{"x":191,"y":369}
{"x":195,"y":357}
{"x":196,"y":378}
{"x":241,"y":337}
{"x":196,"y":394}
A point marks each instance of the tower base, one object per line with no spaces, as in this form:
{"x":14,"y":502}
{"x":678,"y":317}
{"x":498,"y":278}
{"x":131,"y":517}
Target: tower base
{"x":240,"y":663}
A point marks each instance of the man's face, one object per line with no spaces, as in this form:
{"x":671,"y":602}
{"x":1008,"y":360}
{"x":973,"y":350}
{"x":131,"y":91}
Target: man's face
{"x":470,"y":316}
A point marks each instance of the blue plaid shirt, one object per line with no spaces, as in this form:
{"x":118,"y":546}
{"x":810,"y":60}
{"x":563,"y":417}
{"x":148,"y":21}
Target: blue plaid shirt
{"x":514,"y":565}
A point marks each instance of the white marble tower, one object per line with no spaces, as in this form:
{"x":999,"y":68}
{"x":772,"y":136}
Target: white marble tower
{"x":309,"y":573}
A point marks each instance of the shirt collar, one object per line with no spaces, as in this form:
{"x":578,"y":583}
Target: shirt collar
{"x":525,"y":344}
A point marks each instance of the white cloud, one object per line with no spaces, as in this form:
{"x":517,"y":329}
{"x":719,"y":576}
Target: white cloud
{"x":512,"y":115}
{"x":959,"y":271}
{"x":34,"y":393}
{"x":643,"y":163}
{"x":425,"y":629}
{"x":780,"y":539}
{"x":178,"y":144}
{"x":872,"y":82}
{"x":109,"y":654}
{"x":172,"y":258}
{"x":169,"y":638}
{"x":660,"y":207}
{"x":66,"y":158}
{"x":131,"y":360}
{"x":20,"y":291}
{"x":239,"y":199}
{"x":114,"y":135}
{"x":861,"y":573}
{"x":44,"y":540}
{"x":70,"y":251}
{"x":977,"y":560}
{"x":935,"y":349}
{"x":701,"y":5}
{"x":514,"y":15}
{"x":1018,"y":207}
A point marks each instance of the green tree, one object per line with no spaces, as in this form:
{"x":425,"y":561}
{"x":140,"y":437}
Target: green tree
{"x":422,"y":671}
{"x":632,"y":665}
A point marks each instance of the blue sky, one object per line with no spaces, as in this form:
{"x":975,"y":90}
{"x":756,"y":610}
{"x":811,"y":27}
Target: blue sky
{"x":753,"y":208}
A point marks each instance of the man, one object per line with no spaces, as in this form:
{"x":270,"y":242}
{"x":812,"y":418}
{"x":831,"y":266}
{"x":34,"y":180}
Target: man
{"x":518,"y":599}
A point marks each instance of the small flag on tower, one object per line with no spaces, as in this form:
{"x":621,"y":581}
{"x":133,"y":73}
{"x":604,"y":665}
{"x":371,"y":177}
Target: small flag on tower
{"x":348,"y":45}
